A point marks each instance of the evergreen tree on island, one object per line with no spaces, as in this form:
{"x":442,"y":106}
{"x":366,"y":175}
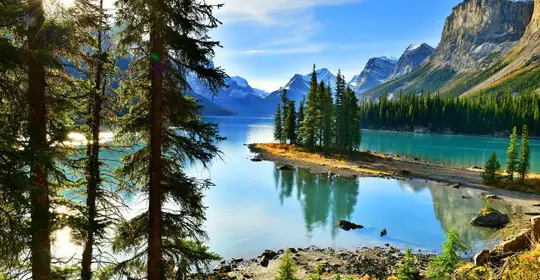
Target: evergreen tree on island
{"x":525,"y":155}
{"x":512,"y":153}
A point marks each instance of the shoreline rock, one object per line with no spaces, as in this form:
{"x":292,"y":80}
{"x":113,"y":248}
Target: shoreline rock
{"x":379,"y":262}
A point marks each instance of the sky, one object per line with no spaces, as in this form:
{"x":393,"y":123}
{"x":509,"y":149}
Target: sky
{"x":268,"y":41}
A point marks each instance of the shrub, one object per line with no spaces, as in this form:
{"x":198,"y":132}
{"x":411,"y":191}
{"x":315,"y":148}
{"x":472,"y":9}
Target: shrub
{"x":486,"y":209}
{"x":443,"y":265}
{"x":317,"y":274}
{"x":469,"y":271}
{"x":491,"y":170}
{"x":524,"y":266}
{"x":286,"y":267}
{"x":407,"y":270}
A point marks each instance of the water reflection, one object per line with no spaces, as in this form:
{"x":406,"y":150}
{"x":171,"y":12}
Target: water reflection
{"x":324,"y":200}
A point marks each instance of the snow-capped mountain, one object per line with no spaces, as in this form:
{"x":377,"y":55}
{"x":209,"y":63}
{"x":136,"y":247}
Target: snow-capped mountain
{"x":377,"y":70}
{"x":237,"y":96}
{"x":298,"y":85}
{"x":410,"y":60}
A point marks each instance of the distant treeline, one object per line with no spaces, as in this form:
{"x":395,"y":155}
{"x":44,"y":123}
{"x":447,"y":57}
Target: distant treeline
{"x":478,"y":114}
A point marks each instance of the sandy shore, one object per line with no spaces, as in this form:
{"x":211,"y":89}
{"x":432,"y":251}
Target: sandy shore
{"x":406,"y":168}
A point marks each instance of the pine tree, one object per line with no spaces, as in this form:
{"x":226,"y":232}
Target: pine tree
{"x":278,"y":125}
{"x":290,"y":122}
{"x":512,"y":153}
{"x":286,"y":267}
{"x":308,"y":126}
{"x":491,"y":170}
{"x":442,"y":267}
{"x":407,"y":271}
{"x":525,"y":155}
{"x":299,"y":120}
{"x":328,"y":119}
{"x":341,"y":114}
{"x":96,"y":72}
{"x":172,"y":39}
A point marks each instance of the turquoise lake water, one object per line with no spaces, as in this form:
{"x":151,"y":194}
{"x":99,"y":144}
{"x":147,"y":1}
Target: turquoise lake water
{"x":254,"y":207}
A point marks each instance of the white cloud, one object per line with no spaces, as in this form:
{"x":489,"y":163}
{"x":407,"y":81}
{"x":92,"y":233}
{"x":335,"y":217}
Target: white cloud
{"x":267,"y":11}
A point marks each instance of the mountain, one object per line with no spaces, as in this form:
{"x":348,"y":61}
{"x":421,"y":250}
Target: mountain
{"x":377,"y":70}
{"x":522,"y":63}
{"x":210,"y":108}
{"x":475,"y":40}
{"x":410,"y":60}
{"x":261,"y":93}
{"x":237,"y":96}
{"x":297,"y":88}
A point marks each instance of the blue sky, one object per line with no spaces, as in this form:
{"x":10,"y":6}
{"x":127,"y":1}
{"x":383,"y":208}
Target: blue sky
{"x":268,"y":41}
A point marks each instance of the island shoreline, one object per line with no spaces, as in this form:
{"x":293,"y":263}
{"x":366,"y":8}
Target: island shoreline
{"x":403,"y":168}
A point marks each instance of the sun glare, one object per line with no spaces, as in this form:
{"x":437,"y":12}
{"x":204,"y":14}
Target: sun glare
{"x":58,"y":3}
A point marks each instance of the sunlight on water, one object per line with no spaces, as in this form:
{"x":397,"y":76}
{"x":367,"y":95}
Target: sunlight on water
{"x":76,"y":138}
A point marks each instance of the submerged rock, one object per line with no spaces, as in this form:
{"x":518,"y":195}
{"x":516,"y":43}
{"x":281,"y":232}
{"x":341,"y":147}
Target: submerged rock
{"x":384,"y":232}
{"x":492,"y":219}
{"x":346,"y":225}
{"x":455,"y":186}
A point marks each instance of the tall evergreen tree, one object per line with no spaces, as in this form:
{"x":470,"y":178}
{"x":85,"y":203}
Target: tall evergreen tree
{"x":341,"y":114}
{"x":278,"y":125}
{"x":352,"y":121}
{"x":308,"y":126}
{"x":512,"y":153}
{"x":525,"y":155}
{"x":290,"y":122}
{"x":327,"y":126}
{"x":171,"y":41}
{"x":299,"y":120}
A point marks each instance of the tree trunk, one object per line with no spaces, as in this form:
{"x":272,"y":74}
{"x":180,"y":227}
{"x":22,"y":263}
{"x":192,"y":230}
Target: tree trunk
{"x":157,"y":61}
{"x":40,"y":245}
{"x":93,"y":161}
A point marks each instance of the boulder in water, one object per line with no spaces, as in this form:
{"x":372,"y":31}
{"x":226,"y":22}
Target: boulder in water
{"x":492,"y":219}
{"x":346,"y":225}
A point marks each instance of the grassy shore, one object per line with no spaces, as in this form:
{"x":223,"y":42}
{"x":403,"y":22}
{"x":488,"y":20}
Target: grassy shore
{"x":364,"y":163}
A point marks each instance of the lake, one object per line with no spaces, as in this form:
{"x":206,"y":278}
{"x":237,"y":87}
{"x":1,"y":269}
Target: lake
{"x":254,"y":207}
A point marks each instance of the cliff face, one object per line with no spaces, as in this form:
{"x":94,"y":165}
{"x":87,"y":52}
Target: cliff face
{"x":377,"y":69}
{"x":411,"y":59}
{"x":478,"y":28}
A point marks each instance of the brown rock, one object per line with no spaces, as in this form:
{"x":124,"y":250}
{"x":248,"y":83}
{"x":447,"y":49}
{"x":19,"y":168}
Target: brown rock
{"x":518,"y":243}
{"x":493,"y":219}
{"x":482,"y":258}
{"x":535,"y":229}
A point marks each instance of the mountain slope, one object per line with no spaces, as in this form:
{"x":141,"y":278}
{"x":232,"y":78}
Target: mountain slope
{"x":377,"y":70}
{"x":521,"y":61}
{"x":238,"y":96}
{"x":475,"y":37}
{"x":410,"y":60}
